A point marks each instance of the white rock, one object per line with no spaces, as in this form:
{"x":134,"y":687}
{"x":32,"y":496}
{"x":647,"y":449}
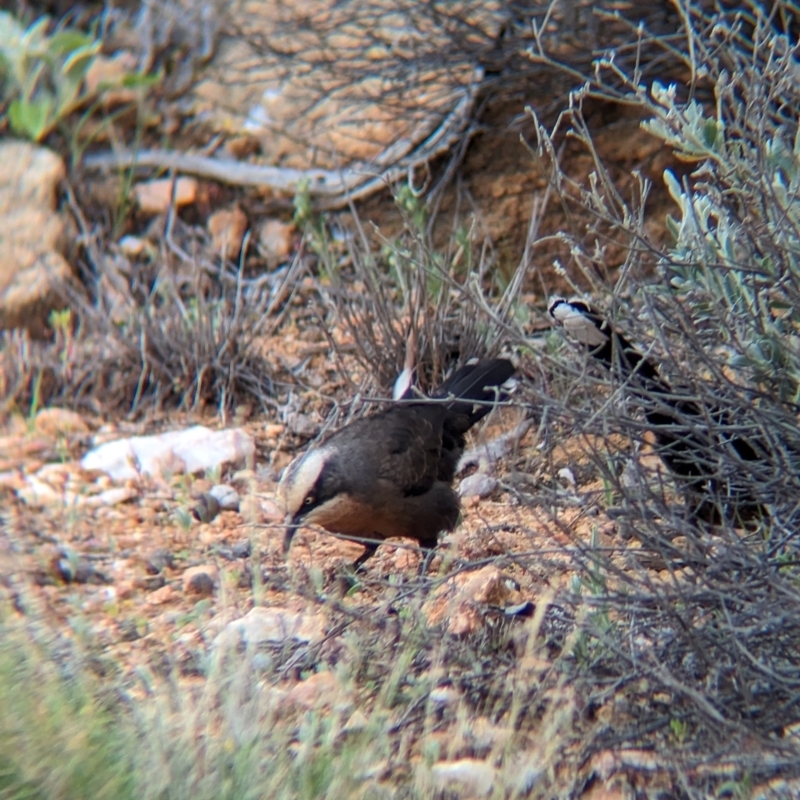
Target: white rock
{"x":261,"y":624}
{"x":467,"y":776}
{"x":488,"y":453}
{"x":192,"y":450}
{"x":109,"y":497}
{"x":226,"y":496}
{"x":479,"y":484}
{"x":36,"y":493}
{"x":132,"y":246}
{"x":444,"y":696}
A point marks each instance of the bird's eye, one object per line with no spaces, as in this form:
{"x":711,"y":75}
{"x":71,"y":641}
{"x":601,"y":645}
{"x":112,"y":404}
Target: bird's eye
{"x":309,"y":501}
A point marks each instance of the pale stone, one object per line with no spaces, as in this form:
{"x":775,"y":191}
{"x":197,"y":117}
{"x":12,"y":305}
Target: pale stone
{"x":191,"y":450}
{"x":275,"y":624}
{"x":163,"y":595}
{"x":226,"y":496}
{"x":477,"y":485}
{"x":467,"y":776}
{"x":133,"y":246}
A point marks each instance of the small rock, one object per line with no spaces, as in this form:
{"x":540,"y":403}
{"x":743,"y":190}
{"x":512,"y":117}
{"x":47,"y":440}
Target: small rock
{"x":73,"y":569}
{"x":110,"y":497}
{"x":56,"y":422}
{"x":151,"y":582}
{"x":38,"y":494}
{"x":11,"y":480}
{"x":275,"y":241}
{"x":156,"y":197}
{"x":244,"y":476}
{"x":271,"y":511}
{"x":226,"y":496}
{"x":250,"y":509}
{"x":276,"y":624}
{"x":227,"y":228}
{"x":356,"y":723}
{"x":319,"y":689}
{"x":477,"y":485}
{"x":242,"y":549}
{"x":206,"y":507}
{"x":160,"y":596}
{"x":301,"y":424}
{"x":200,"y":580}
{"x":488,"y":453}
{"x":467,"y":776}
{"x":33,"y":270}
{"x":130,"y":630}
{"x":156,"y":561}
{"x":125,"y":589}
{"x":444,"y":696}
{"x":274,"y":430}
{"x":133,"y":246}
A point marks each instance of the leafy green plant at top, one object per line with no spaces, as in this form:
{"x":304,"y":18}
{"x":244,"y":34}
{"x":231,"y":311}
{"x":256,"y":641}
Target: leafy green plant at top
{"x":736,"y":254}
{"x":43,"y":73}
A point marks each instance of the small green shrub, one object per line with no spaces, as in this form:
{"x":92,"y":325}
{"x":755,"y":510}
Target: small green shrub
{"x":42,"y":73}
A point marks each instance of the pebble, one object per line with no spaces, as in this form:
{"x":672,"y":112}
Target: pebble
{"x":200,"y":580}
{"x":155,"y":197}
{"x":227,"y":228}
{"x":274,"y":624}
{"x":206,"y":508}
{"x":226,"y":496}
{"x":477,"y":485}
{"x":465,"y":777}
{"x":56,"y":422}
{"x":160,"y":596}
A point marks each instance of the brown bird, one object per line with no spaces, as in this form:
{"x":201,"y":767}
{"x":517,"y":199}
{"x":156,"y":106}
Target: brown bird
{"x":391,"y":474}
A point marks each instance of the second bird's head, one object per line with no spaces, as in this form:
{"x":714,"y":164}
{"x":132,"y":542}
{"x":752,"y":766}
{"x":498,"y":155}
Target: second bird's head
{"x":580,"y":321}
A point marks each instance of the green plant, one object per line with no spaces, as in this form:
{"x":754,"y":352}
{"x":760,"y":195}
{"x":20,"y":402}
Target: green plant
{"x":679,"y":729}
{"x":43,"y":73}
{"x":736,"y":255}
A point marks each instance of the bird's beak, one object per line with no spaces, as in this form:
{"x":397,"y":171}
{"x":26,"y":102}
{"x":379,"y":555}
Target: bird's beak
{"x":288,"y":533}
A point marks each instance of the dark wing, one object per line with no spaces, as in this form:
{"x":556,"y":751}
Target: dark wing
{"x":401,"y":445}
{"x":413,"y":447}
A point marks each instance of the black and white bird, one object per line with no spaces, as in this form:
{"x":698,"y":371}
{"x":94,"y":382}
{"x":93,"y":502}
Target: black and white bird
{"x":697,"y":441}
{"x":391,"y":473}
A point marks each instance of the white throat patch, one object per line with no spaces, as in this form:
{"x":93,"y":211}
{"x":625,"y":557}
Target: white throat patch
{"x":300,"y":476}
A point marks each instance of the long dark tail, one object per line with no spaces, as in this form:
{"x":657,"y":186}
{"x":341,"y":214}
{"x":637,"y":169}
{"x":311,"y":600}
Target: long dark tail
{"x":476,"y":383}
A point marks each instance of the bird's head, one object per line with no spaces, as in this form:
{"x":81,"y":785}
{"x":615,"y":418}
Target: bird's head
{"x":311,"y":491}
{"x":580,"y":321}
